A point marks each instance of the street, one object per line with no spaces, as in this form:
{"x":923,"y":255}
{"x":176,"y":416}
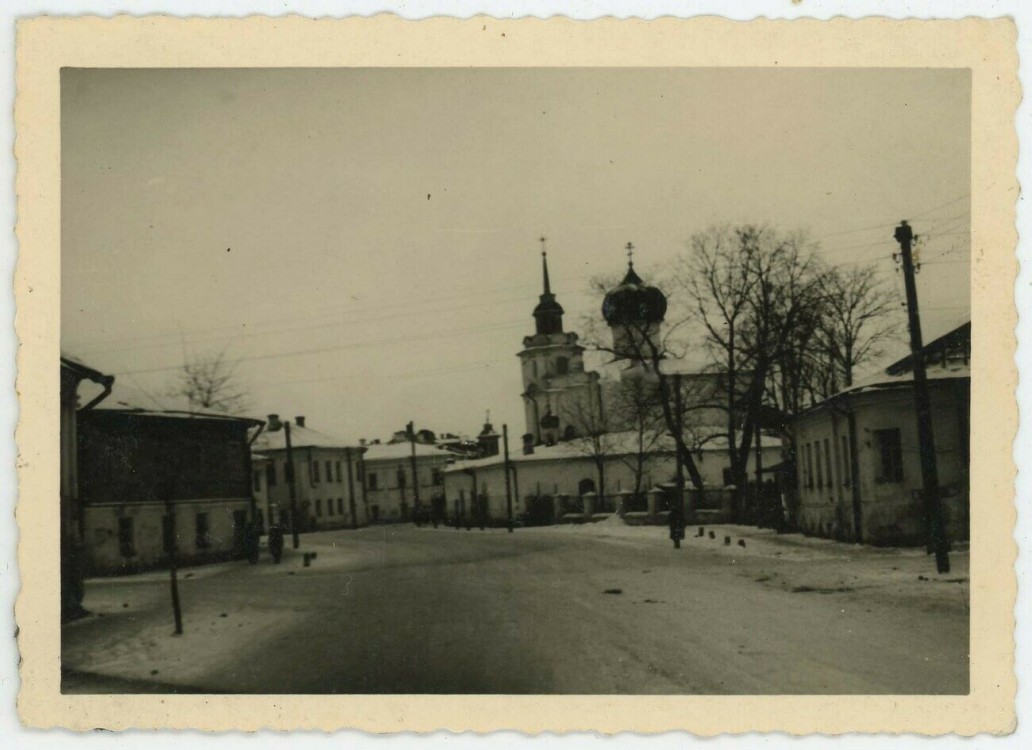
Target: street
{"x":606,"y":609}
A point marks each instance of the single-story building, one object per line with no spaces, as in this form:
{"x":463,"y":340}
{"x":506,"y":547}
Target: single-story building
{"x":858,"y":457}
{"x":561,"y":482}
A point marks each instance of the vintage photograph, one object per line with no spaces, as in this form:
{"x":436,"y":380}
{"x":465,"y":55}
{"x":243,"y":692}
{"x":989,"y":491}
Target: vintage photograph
{"x":517,"y":381}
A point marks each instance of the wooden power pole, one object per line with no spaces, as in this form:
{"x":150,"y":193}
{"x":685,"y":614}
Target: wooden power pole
{"x":410,"y":429}
{"x":508,"y":479}
{"x":291,"y":488}
{"x":926,"y":438}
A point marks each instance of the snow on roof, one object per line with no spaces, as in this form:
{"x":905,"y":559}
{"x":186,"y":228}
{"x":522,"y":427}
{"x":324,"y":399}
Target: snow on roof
{"x":952,"y":370}
{"x":615,"y":444}
{"x":395,"y":451}
{"x":127,"y":398}
{"x":73,"y":362}
{"x":300,"y":437}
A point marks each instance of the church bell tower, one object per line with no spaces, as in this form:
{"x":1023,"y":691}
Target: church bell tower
{"x":556,"y":389}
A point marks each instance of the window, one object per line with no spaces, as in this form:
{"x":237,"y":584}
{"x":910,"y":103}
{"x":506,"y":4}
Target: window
{"x":437,"y":477}
{"x":890,"y":453}
{"x":270,"y":474}
{"x":318,"y":508}
{"x":315,"y":471}
{"x":371,"y":479}
{"x":256,"y":481}
{"x":401,"y":479}
{"x":202,"y":534}
{"x":827,"y":463}
{"x":846,"y":462}
{"x":562,"y":365}
{"x":820,"y":469}
{"x":338,"y":472}
{"x":809,"y":465}
{"x":340,"y":505}
{"x":329,"y":473}
{"x":126,"y":537}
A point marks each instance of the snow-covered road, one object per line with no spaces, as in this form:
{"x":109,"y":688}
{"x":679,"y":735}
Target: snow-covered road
{"x":600,"y":609}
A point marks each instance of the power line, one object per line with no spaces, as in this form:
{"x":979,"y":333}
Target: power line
{"x":339,"y":347}
{"x":314,"y":326}
{"x":367,"y":314}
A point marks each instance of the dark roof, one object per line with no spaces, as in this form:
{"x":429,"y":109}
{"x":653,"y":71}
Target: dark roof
{"x":84,"y":372}
{"x":950,"y":345}
{"x":174,"y":414}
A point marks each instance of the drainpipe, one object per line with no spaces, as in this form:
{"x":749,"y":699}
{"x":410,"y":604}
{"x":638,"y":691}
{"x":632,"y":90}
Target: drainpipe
{"x":854,"y":472}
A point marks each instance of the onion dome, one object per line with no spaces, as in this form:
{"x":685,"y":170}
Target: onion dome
{"x":633,"y":301}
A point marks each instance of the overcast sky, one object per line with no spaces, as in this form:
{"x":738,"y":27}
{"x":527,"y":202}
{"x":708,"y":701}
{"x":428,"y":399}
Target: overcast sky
{"x":365,"y":241}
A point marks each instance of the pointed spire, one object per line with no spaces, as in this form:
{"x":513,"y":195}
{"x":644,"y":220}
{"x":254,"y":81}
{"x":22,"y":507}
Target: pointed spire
{"x":548,"y":313}
{"x":544,"y":266}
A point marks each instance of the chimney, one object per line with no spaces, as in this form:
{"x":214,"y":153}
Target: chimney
{"x":362,"y":442}
{"x":299,"y":421}
{"x":528,"y":444}
{"x":274,"y":423}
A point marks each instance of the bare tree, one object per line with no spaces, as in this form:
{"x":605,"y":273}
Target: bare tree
{"x":211,"y":383}
{"x":646,"y":347}
{"x":857,"y":320}
{"x":755,"y":290}
{"x":635,"y":410}
{"x":593,"y":435}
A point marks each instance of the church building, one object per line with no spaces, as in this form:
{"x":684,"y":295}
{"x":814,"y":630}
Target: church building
{"x":559,"y":396}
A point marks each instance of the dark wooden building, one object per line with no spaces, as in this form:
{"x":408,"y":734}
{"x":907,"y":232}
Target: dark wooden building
{"x":136,"y":465}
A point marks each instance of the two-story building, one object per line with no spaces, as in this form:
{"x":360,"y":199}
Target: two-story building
{"x":391,"y":490}
{"x":151,"y":478}
{"x":326,"y":478}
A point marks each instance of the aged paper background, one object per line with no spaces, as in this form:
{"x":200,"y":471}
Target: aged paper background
{"x":986,"y":47}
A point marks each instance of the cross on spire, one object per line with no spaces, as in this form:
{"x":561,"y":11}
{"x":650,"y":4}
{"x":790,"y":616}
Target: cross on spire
{"x":544,"y":266}
{"x":630,"y":255}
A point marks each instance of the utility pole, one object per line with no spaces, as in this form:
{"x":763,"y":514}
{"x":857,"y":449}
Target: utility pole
{"x":290,"y":486}
{"x":351,"y":490}
{"x":508,"y":479}
{"x":929,"y":470}
{"x":410,"y":428}
{"x":677,"y":512}
{"x":761,"y":499}
{"x":177,"y":611}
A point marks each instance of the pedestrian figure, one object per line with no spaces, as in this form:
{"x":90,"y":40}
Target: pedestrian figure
{"x":676,"y":520}
{"x":251,"y":542}
{"x":276,"y":542}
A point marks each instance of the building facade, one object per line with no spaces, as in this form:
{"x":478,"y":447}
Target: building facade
{"x":391,"y":491}
{"x":73,"y":544}
{"x":326,"y":478}
{"x":149,"y":480}
{"x":553,"y":483}
{"x":858,"y":458}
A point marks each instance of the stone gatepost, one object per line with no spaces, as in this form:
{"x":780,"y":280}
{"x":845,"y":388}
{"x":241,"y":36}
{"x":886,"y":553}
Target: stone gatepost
{"x":652,"y":499}
{"x":589,"y":499}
